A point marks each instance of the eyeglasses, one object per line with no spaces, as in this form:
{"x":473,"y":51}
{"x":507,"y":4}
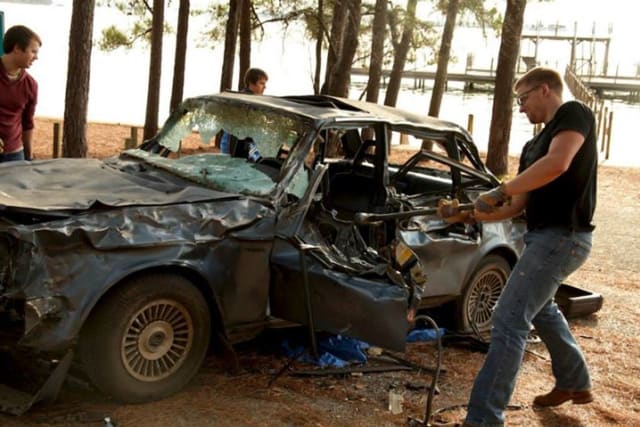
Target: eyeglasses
{"x":522,"y":98}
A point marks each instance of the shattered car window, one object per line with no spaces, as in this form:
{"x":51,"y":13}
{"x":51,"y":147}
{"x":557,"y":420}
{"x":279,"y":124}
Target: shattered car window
{"x":299,"y":183}
{"x":268,"y":129}
{"x":225,"y":173}
{"x":272,"y":131}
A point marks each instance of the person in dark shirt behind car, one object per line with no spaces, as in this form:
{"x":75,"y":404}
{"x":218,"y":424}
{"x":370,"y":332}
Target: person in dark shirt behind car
{"x":255,"y":82}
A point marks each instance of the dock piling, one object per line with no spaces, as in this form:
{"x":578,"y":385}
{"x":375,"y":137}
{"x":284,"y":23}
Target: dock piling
{"x":56,"y":140}
{"x":470,"y":123}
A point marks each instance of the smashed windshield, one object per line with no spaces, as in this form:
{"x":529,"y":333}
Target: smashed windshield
{"x":217,"y":171}
{"x":276,"y":134}
{"x":270,"y":130}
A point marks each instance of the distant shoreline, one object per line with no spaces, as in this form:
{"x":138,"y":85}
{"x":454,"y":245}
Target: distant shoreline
{"x":38,"y":2}
{"x":107,"y":139}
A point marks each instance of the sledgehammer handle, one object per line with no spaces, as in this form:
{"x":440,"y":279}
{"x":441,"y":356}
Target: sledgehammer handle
{"x":363,"y":218}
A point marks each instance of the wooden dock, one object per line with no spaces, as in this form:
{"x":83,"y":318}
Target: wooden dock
{"x":606,"y":85}
{"x":604,"y":118}
{"x":627,"y":87}
{"x":469,"y":76}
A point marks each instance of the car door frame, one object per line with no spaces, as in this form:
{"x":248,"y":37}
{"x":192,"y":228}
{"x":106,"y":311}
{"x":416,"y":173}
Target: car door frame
{"x":326,"y":297}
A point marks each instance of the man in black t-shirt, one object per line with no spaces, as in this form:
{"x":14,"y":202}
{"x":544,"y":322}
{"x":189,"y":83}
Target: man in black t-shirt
{"x":556,"y":189}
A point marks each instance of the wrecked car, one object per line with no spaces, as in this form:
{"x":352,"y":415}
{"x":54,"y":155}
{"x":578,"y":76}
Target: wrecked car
{"x":138,"y":264}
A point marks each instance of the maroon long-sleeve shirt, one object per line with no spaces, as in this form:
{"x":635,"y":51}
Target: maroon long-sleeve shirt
{"x":18,"y":100}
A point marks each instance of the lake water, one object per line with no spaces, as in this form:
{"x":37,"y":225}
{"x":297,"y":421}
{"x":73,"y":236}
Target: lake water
{"x":119,"y":79}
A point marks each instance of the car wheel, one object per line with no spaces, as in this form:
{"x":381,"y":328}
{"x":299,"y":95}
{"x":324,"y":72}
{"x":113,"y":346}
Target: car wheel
{"x":146,"y":339}
{"x":480,"y":296}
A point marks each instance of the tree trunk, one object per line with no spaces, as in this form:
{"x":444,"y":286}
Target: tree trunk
{"x":245,"y":41}
{"x":341,"y":76}
{"x":443,"y":59}
{"x":377,"y":50}
{"x":155,"y":70}
{"x":334,"y":50}
{"x":319,"y":38}
{"x":74,"y":139}
{"x":230,"y":38}
{"x":498,"y":149}
{"x":181,"y":54}
{"x":400,"y":56}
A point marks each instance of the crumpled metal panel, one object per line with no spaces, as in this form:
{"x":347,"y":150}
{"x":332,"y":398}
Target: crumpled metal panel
{"x":449,"y":257}
{"x":365,"y":306}
{"x":77,"y":259}
{"x":128,"y":228}
{"x":77,"y":184}
{"x":445,"y":258}
{"x":142,"y":226}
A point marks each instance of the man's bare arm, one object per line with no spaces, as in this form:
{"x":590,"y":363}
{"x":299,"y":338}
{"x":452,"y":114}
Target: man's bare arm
{"x":515,"y":208}
{"x":27,"y":139}
{"x":562,"y":150}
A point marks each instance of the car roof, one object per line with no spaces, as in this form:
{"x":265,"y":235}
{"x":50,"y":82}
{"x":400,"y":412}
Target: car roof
{"x":331,"y":108}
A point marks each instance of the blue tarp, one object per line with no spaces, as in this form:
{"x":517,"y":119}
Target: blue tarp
{"x":337,"y":351}
{"x":421,"y":335}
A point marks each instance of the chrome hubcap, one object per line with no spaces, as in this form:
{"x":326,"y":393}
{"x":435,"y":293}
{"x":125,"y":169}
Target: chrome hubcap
{"x":484,"y":297}
{"x":157,"y":340}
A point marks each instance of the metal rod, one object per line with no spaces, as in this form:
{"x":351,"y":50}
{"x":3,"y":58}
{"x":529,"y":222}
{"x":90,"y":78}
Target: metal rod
{"x":307,"y":298}
{"x":350,"y":370}
{"x":368,"y":218}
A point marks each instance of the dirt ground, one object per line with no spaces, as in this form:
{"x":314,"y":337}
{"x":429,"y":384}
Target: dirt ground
{"x":259,"y":396}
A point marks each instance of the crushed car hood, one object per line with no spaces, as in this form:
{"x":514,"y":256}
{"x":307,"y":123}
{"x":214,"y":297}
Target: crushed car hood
{"x":80,"y":184}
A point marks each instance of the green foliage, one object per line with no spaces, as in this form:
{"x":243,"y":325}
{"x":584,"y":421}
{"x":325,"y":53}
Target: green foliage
{"x":474,"y":12}
{"x":139,"y":32}
{"x":304,"y":14}
{"x":216,"y":15}
{"x":282,"y":13}
{"x":425,"y":40}
{"x":112,"y":38}
{"x":423,"y":44}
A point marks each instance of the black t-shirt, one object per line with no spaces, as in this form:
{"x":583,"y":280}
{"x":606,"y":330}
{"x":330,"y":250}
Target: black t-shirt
{"x":570,"y":199}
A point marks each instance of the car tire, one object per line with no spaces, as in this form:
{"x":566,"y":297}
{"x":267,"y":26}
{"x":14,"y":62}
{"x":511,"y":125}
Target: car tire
{"x":477,"y":302}
{"x":147,"y":339}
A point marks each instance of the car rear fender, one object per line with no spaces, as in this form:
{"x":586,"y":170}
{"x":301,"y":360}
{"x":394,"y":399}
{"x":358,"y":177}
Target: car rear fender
{"x":500,"y":239}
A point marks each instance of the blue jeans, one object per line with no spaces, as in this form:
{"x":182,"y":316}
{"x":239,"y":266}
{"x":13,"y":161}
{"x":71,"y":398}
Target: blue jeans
{"x":550,"y":255}
{"x":10,"y":157}
{"x":224,"y":144}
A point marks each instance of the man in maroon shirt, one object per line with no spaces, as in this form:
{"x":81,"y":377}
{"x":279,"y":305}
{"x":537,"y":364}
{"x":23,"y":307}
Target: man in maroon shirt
{"x":18,"y":93}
